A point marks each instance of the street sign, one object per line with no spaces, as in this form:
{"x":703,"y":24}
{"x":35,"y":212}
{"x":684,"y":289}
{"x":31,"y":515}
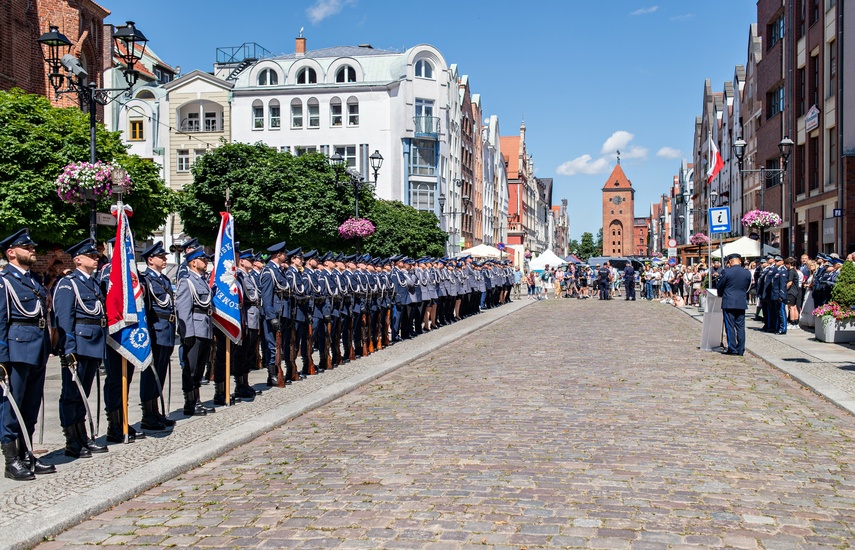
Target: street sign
{"x":672,"y":243}
{"x":720,"y":219}
{"x":500,"y":246}
{"x":838,"y":212}
{"x":105,"y":219}
{"x":672,"y":261}
{"x":672,"y":252}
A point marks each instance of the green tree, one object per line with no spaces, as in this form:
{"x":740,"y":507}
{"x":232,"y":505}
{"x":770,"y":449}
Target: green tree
{"x":598,"y":248}
{"x":573,"y":247}
{"x":402,"y":229}
{"x":587,"y":248}
{"x":36,"y":141}
{"x":843,"y":292}
{"x":275,"y":196}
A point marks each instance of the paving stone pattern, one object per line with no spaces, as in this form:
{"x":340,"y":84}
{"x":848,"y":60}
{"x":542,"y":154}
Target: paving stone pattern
{"x":567,"y":424}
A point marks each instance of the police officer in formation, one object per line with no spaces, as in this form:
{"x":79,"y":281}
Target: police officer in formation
{"x":24,"y":350}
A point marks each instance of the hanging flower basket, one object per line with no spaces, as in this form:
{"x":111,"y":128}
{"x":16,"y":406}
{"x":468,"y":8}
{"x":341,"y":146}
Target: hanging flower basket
{"x":760,"y":219}
{"x":80,"y":182}
{"x":356,"y":227}
{"x":699,"y":239}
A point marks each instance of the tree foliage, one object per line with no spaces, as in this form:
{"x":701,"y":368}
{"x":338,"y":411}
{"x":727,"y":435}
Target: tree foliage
{"x":587,"y":248}
{"x":275,"y":197}
{"x":37,"y":140}
{"x":843,"y":292}
{"x":402,"y":229}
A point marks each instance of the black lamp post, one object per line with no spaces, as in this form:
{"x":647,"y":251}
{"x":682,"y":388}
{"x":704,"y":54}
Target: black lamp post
{"x":64,"y":67}
{"x":354,"y":178}
{"x":785,"y":147}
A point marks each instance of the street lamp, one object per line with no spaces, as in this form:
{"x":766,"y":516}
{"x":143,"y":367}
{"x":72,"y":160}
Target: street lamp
{"x":354,"y":178}
{"x":64,"y":67}
{"x":711,"y":197}
{"x":785,"y":147}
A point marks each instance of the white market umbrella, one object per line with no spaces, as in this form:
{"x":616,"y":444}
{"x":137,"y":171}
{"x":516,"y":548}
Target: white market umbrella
{"x":482,"y":251}
{"x":548,"y":258}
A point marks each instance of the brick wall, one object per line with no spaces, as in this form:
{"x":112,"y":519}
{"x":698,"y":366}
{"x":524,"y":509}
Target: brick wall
{"x":848,"y":203}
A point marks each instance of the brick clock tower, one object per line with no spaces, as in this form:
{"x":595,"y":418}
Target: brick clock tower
{"x":618,"y":213}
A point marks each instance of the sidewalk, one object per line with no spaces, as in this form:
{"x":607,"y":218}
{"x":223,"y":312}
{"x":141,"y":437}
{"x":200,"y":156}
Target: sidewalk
{"x":826,"y":368}
{"x":81,"y":488}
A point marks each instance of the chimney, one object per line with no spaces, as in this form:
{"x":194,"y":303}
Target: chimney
{"x":301,"y":46}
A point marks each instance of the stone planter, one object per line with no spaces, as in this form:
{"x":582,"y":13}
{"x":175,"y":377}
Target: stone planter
{"x":830,"y":330}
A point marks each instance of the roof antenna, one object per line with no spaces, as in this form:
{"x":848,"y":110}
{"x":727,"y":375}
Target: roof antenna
{"x":618,"y":157}
{"x":301,"y":32}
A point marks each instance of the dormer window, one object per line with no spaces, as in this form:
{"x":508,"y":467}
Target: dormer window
{"x":346,"y":74}
{"x":307,"y":75}
{"x":268,"y":77}
{"x":424,"y":69}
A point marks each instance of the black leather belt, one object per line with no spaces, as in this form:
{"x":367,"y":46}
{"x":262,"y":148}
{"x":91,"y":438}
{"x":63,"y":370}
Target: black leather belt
{"x":168,"y":317}
{"x":205,"y":310}
{"x":40,"y":322}
{"x":102,"y":322}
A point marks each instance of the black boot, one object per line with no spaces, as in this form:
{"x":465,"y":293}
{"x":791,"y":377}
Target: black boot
{"x":114,"y":428}
{"x":165,"y":420}
{"x":87,"y":441}
{"x":190,"y":405}
{"x":15,"y":469}
{"x":73,"y":447}
{"x":243,"y":389}
{"x":200,"y":406}
{"x":151,"y":416}
{"x":272,"y":376}
{"x":220,"y":393}
{"x":305,"y":372}
{"x":30,"y":461}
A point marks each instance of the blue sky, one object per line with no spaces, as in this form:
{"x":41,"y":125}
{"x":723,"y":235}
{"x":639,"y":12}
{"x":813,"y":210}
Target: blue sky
{"x":588,"y":77}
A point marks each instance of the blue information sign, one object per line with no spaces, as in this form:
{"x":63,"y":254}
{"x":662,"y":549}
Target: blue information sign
{"x":720,"y":219}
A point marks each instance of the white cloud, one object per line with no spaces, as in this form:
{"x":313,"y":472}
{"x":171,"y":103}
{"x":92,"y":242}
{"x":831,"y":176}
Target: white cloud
{"x":326,"y":8}
{"x":583,"y":165}
{"x":619,"y":141}
{"x":669,"y":153}
{"x":645,"y":11}
{"x":685,"y":17}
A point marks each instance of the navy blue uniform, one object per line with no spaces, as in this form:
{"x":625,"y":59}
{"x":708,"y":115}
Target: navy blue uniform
{"x":733,"y":287}
{"x":629,"y":282}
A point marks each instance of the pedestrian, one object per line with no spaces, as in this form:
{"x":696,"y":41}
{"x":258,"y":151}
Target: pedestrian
{"x":23,"y":359}
{"x":629,"y":281}
{"x":732,"y":287}
{"x":518,"y":276}
{"x":794,"y":290}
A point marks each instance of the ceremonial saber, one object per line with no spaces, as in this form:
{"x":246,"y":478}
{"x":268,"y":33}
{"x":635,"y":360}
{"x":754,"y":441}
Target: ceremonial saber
{"x":98,"y":394}
{"x":159,"y":385}
{"x":42,"y":422}
{"x":7,"y":393}
{"x":168,"y":389}
{"x":76,"y":378}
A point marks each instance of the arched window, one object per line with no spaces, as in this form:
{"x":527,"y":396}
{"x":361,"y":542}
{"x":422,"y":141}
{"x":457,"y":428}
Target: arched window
{"x":345,"y":74}
{"x":257,"y":115}
{"x":314,"y":113}
{"x":268,"y":77}
{"x":352,"y":111}
{"x":296,"y":113}
{"x":335,"y":112}
{"x":145,"y":94}
{"x":307,"y":75}
{"x":424,"y":69}
{"x":273,"y":114}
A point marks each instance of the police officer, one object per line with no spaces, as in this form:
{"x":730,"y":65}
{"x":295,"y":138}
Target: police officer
{"x":778,"y":297}
{"x":351,"y":307}
{"x":160,"y":315}
{"x":339,"y":310}
{"x":80,"y":318}
{"x":193,"y":309}
{"x":603,"y":274}
{"x":275,"y":301}
{"x":247,"y":350}
{"x":24,"y":349}
{"x":629,"y":281}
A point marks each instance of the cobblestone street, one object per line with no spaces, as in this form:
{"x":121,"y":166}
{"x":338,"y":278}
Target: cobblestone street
{"x":565,"y":424}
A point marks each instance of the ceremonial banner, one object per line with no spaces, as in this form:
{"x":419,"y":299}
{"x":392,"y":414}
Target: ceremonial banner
{"x":126,"y":321}
{"x":226,"y":301}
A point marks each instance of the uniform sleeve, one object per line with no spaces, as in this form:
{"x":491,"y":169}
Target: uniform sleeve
{"x":184,"y":308}
{"x":4,"y":323}
{"x":64,"y":306}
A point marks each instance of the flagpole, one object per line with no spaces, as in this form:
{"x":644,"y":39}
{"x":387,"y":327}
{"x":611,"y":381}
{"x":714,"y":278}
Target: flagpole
{"x":228,"y":395}
{"x":125,"y":399}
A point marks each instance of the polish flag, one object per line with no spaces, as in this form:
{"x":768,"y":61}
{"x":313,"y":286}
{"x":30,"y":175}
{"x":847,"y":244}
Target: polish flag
{"x":716,"y":162}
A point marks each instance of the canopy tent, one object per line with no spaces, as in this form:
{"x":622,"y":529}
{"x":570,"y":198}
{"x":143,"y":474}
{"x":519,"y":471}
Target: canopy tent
{"x":745,"y":247}
{"x":572,"y":259}
{"x":548,"y":258}
{"x":482,"y":251}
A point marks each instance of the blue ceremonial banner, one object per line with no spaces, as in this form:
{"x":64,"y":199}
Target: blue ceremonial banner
{"x":224,"y":282}
{"x":126,"y":321}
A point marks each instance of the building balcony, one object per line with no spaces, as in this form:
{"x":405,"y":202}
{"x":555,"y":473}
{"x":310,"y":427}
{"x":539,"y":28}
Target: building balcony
{"x":426,"y":127}
{"x":191,"y":126}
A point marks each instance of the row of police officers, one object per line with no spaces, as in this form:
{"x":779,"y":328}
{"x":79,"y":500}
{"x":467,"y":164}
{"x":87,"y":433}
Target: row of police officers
{"x":292,"y":303}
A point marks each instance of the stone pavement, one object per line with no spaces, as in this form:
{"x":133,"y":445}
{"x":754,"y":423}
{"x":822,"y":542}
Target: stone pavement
{"x":37,"y":509}
{"x":567,"y":424}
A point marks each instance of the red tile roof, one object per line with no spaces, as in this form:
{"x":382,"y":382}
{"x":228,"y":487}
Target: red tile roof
{"x":617,"y":176}
{"x":510,"y":146}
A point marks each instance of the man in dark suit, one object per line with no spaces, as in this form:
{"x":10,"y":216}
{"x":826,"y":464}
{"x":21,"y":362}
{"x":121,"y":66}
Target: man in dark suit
{"x":732,"y":287}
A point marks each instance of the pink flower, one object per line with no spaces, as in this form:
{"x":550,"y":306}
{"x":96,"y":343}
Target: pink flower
{"x":356,"y":227}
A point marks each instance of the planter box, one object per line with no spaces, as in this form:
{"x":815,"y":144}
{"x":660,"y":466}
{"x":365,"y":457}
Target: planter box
{"x":829,"y":330}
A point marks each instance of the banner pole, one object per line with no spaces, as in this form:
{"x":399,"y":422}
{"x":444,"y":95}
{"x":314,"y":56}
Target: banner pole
{"x":228,"y":369}
{"x":125,"y":399}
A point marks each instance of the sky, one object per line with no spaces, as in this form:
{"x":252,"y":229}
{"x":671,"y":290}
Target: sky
{"x":588,"y":78}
